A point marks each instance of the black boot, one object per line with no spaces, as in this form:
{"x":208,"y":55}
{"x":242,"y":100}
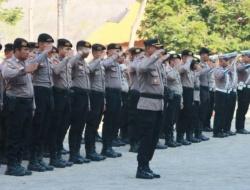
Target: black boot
{"x":110,"y":153}
{"x":67,"y":163}
{"x":55,"y":161}
{"x":180,"y":139}
{"x":117,"y":143}
{"x":34,"y":164}
{"x":170,"y":143}
{"x":154,"y":174}
{"x":143,"y":173}
{"x":191,"y":138}
{"x":17,"y":170}
{"x":219,"y":135}
{"x":243,"y":131}
{"x":93,"y":156}
{"x":202,"y":137}
{"x":43,"y":164}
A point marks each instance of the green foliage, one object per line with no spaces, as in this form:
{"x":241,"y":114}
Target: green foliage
{"x":221,"y":25}
{"x":10,"y":16}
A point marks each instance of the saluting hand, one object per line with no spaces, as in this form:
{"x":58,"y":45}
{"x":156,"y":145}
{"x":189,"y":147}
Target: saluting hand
{"x":31,"y":68}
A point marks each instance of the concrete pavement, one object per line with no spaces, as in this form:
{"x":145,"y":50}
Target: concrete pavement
{"x":219,"y":164}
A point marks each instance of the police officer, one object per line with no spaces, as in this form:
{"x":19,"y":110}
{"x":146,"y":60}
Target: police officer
{"x":61,"y":115}
{"x":187,"y":78}
{"x":243,"y":69}
{"x":150,"y":107}
{"x":43,"y":82}
{"x":97,"y":99}
{"x":223,"y":77}
{"x":80,"y":103}
{"x":207,"y":126}
{"x":231,"y":101}
{"x":123,"y":140}
{"x":8,"y":50}
{"x":113,"y":99}
{"x":19,"y":104}
{"x":205,"y":76}
{"x":197,"y":113}
{"x":136,"y":54}
{"x":174,"y":97}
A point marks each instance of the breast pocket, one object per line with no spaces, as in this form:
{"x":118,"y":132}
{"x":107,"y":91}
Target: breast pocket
{"x":154,"y":78}
{"x":21,"y":80}
{"x":114,"y":72}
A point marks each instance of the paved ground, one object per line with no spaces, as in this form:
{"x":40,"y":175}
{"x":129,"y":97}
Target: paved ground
{"x":217,"y":165}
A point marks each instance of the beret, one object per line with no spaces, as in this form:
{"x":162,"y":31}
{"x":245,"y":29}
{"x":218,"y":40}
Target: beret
{"x":98,"y":47}
{"x":19,"y":43}
{"x":45,"y":38}
{"x":114,"y":46}
{"x":64,"y":43}
{"x":83,"y":43}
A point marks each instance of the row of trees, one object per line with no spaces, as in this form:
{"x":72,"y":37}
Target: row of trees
{"x":221,"y":25}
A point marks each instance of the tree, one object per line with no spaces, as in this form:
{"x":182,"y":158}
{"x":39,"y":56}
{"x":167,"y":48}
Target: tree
{"x":10,"y":16}
{"x":221,"y":25}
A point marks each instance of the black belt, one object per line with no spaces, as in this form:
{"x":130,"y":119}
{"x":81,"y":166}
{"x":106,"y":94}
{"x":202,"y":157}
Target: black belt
{"x":20,"y":99}
{"x":196,"y":88}
{"x":113,"y":90}
{"x":153,"y":96}
{"x":97,"y":92}
{"x":204,"y":88}
{"x":61,"y":91}
{"x":80,"y":90}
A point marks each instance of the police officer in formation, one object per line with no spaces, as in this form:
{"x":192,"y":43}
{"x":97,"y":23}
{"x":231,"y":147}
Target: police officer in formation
{"x":47,"y":91}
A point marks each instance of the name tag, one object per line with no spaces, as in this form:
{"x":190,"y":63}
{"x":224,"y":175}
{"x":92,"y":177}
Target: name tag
{"x":156,"y":81}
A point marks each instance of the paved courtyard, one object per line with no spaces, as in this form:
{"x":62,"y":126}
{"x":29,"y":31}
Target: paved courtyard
{"x":219,"y":164}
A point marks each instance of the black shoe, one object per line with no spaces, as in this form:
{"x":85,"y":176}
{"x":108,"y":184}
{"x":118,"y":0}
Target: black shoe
{"x":193,"y":140}
{"x":98,"y":138}
{"x":177,"y":144}
{"x":160,"y":146}
{"x":36,"y":167}
{"x":184,"y":142}
{"x":64,"y":151}
{"x":67,"y":163}
{"x":125,"y":140}
{"x":202,"y":137}
{"x":17,"y":170}
{"x":142,"y":173}
{"x":154,"y":174}
{"x":76,"y":159}
{"x":85,"y":160}
{"x":207,"y":129}
{"x":230,"y":133}
{"x":243,"y":131}
{"x":117,"y":143}
{"x":46,"y":166}
{"x":57,"y":163}
{"x":110,"y":153}
{"x":219,"y":135}
{"x":170,"y":143}
{"x":95,"y":157}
